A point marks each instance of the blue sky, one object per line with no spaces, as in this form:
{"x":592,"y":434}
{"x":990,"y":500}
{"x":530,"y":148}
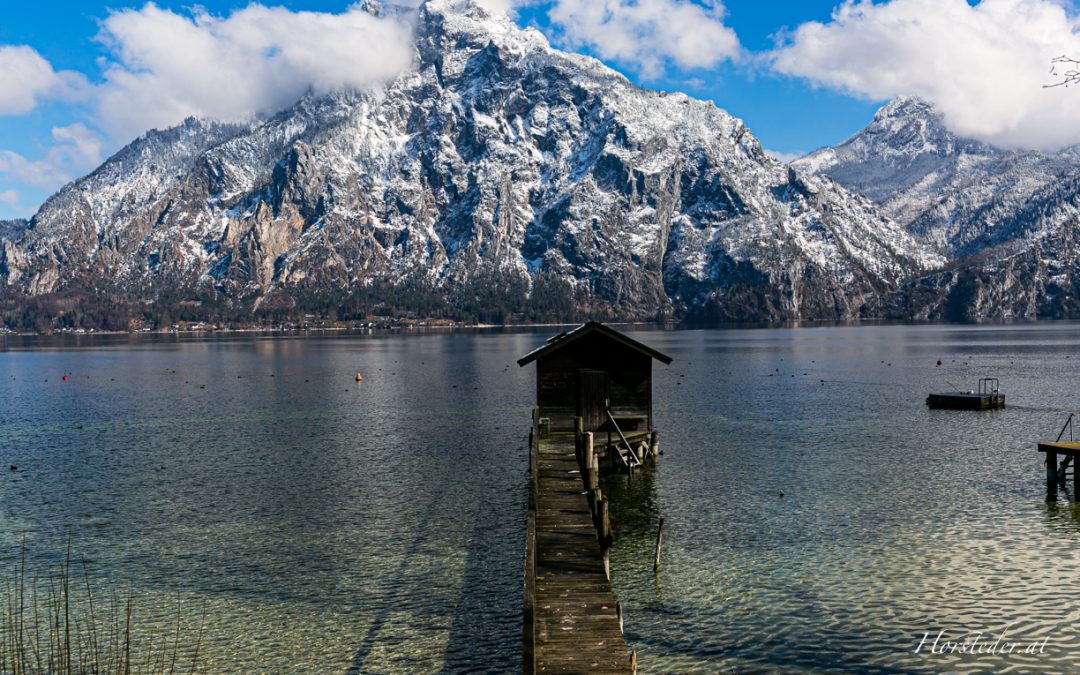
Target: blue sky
{"x":802,"y":73}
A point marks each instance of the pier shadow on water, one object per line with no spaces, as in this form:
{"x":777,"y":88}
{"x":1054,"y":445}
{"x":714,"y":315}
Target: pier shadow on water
{"x":476,"y":636}
{"x":382,"y":617}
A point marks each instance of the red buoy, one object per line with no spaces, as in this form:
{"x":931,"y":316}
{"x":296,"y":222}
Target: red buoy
{"x":65,"y":378}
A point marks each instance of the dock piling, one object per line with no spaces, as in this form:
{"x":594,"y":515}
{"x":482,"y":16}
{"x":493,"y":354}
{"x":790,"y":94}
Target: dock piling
{"x":1057,"y":473}
{"x":1051,"y":469}
{"x":605,"y":524}
{"x":590,"y":472}
{"x":659,"y":541}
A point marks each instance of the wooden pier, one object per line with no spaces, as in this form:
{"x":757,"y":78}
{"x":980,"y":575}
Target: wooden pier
{"x":590,"y":380}
{"x":1055,"y":472}
{"x":572,"y":621}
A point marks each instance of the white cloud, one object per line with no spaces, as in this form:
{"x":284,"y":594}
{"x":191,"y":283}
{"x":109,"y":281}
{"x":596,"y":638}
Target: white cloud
{"x":501,"y":6}
{"x":166,"y":66}
{"x":784,"y":157}
{"x":10,"y":198}
{"x":648,"y":34}
{"x":76,"y":150}
{"x":983,"y":66}
{"x":26,"y":78}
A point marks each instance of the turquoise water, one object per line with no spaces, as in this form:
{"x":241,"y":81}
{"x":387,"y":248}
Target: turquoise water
{"x":315,"y":523}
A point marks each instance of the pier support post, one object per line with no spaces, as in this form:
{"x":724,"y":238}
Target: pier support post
{"x":591,"y":470}
{"x":654,"y":445}
{"x":1051,"y":469}
{"x":605,"y":525}
{"x":579,"y":427}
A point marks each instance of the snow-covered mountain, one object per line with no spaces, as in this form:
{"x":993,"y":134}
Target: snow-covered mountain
{"x":1005,"y":218}
{"x":497,"y":164}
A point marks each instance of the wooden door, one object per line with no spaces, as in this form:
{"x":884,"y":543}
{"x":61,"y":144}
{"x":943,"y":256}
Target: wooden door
{"x":593,"y":393}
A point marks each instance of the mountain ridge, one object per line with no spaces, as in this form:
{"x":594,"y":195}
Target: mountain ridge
{"x":498,"y":172}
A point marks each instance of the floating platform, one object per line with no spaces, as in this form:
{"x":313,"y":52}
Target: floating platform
{"x":966,"y":400}
{"x":987,"y":397}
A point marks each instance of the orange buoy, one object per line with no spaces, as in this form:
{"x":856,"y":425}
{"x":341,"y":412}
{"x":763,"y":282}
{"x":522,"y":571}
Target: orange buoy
{"x":359,"y":377}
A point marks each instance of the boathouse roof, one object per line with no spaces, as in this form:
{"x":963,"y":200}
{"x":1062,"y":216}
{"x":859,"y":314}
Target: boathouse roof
{"x":567,"y":337}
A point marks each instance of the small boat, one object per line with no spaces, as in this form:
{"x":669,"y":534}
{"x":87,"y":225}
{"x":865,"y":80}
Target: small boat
{"x":987,"y":397}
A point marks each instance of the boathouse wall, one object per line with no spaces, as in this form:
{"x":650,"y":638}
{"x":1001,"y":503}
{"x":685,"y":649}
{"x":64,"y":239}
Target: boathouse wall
{"x":575,"y":380}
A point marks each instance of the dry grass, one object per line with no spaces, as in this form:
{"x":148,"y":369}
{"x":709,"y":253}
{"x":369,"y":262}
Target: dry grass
{"x":57,"y":624}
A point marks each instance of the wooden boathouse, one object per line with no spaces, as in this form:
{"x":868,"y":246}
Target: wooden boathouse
{"x":589,"y":379}
{"x":590,"y":370}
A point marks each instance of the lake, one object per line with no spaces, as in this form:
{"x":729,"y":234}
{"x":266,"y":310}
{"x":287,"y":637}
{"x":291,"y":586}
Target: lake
{"x":818,"y":517}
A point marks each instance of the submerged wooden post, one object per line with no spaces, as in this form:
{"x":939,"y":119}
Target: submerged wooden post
{"x":654,"y":445}
{"x":659,"y":541}
{"x":633,"y":662}
{"x":619,"y":614}
{"x":1051,"y":469}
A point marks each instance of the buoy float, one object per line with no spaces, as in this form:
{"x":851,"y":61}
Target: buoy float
{"x":940,"y":362}
{"x":65,"y":378}
{"x":359,"y":377}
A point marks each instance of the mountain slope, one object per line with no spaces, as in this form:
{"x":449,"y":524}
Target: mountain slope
{"x":497,"y":168}
{"x":1006,"y":218}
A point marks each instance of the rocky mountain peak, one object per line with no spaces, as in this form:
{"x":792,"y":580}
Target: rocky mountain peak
{"x":905,"y":145}
{"x":907,"y":108}
{"x":1006,"y":219}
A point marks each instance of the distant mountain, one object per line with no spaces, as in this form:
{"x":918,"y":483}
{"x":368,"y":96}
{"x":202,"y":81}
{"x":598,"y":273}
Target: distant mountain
{"x":500,"y":172}
{"x":1006,"y":219}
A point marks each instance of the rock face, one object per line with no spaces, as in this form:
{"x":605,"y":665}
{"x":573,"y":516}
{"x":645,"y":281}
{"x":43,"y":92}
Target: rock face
{"x":498,"y":164}
{"x":1006,"y":219}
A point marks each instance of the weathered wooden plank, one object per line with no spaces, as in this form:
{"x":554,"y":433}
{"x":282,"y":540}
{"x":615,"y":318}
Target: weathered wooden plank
{"x":575,"y":623}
